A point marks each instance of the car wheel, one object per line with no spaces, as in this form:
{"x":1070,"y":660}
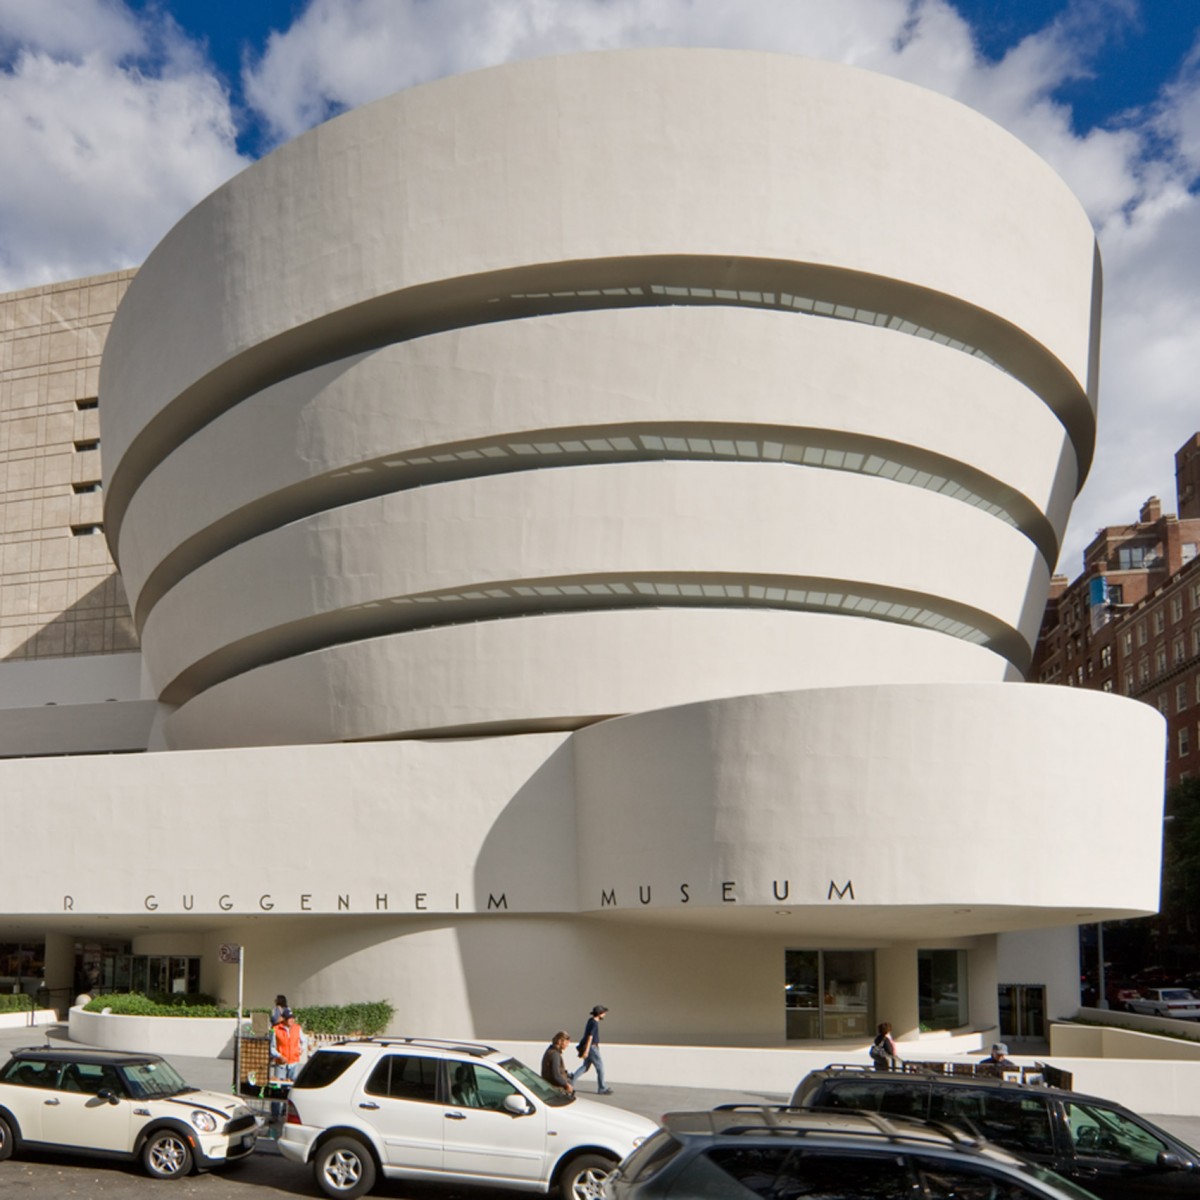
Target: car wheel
{"x":583,"y":1178}
{"x":167,"y":1155}
{"x":344,"y":1168}
{"x":6,"y":1140}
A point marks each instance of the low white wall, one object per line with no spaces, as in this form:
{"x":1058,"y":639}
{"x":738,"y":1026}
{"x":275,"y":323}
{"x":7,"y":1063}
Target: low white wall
{"x":1094,"y":1041}
{"x":748,"y":1069}
{"x":1162,"y":1087}
{"x":1143,"y":1023}
{"x":19,"y":1020}
{"x":205,"y":1037}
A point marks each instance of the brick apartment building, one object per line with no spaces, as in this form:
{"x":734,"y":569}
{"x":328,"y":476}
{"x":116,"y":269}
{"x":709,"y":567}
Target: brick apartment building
{"x":1130,"y":623}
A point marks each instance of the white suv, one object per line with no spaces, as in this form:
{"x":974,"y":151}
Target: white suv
{"x":113,"y":1105}
{"x":426,"y":1109}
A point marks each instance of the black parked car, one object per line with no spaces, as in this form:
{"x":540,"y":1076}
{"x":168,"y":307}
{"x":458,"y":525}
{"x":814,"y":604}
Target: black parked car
{"x":1098,"y":1144}
{"x":783,"y":1154}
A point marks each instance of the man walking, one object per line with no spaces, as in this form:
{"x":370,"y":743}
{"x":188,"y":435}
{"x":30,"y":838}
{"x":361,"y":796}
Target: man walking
{"x":589,"y":1050}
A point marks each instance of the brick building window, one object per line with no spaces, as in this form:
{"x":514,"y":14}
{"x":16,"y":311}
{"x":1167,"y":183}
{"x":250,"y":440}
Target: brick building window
{"x":1143,"y":670}
{"x":1159,"y":621}
{"x":1141,"y":633}
{"x":1106,"y":656}
{"x":1160,"y":660}
{"x":1185,"y":742}
{"x":1176,"y":608}
{"x":1181,"y":697}
{"x":1178,"y":651}
{"x":1127,"y":642}
{"x":1129,"y":683}
{"x":1162,"y":703}
{"x":1106,"y":686}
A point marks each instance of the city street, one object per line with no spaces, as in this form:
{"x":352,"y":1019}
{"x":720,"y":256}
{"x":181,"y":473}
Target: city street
{"x":267,"y":1175}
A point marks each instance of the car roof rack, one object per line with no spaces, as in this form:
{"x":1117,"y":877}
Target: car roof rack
{"x":475,"y":1049}
{"x":1039,"y":1074}
{"x":872,"y":1124}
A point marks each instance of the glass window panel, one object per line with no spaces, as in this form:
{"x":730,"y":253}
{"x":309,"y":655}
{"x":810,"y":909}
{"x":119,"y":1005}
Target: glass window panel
{"x":942,"y":987}
{"x":1099,"y":1132}
{"x":829,"y":993}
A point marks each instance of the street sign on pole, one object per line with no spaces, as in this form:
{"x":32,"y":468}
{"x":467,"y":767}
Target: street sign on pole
{"x":230,"y":953}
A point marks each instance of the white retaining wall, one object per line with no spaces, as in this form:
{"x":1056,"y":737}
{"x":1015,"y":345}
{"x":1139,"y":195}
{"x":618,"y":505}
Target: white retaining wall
{"x":203,"y":1037}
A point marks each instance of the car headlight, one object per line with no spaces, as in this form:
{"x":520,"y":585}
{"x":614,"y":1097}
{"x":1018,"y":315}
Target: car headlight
{"x":204,"y":1121}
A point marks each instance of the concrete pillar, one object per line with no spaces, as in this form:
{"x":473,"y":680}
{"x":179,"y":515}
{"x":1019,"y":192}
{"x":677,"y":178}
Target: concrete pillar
{"x":60,"y":970}
{"x":982,"y":979}
{"x":896,"y":993}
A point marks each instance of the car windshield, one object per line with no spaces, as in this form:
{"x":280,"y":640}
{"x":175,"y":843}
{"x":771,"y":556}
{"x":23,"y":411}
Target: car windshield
{"x":546,"y":1092}
{"x":154,"y":1079}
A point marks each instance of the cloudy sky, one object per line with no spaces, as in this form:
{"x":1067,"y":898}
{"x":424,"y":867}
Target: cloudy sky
{"x":116,"y":116}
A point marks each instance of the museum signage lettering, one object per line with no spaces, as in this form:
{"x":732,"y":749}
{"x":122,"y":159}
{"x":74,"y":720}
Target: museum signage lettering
{"x":730,"y":892}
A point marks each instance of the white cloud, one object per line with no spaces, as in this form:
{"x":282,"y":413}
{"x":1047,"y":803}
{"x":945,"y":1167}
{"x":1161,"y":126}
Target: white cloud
{"x":341,"y":53}
{"x":70,"y":28}
{"x":110,"y":129}
{"x":112,"y":126}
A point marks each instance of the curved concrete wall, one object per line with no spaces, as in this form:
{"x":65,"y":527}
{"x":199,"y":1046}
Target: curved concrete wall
{"x":439,"y":368}
{"x":629,"y":386}
{"x":757,"y":790}
{"x":517,"y":545}
{"x":440,"y":874}
{"x":556,"y":672}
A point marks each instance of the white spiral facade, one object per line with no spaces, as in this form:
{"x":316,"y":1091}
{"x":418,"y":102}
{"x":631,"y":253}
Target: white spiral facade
{"x":560,"y":391}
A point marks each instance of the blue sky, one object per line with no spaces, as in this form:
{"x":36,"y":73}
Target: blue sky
{"x":116,"y":116}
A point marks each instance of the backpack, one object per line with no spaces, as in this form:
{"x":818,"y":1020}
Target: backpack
{"x":877,"y":1051}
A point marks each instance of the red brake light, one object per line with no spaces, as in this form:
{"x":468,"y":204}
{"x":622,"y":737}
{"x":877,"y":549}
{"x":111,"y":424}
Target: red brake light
{"x":293,"y":1117}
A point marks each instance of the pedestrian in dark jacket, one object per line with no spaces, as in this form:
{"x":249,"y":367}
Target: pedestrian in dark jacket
{"x":554,"y":1070}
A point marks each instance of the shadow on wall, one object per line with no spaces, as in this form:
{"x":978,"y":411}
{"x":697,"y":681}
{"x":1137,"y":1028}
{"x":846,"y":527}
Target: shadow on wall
{"x":99,"y":622}
{"x":663,"y":984}
{"x":528,"y":974}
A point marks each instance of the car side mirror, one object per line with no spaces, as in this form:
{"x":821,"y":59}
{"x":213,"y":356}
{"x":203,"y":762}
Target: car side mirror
{"x":1168,"y":1160}
{"x":517,"y":1105}
{"x":109,"y":1095}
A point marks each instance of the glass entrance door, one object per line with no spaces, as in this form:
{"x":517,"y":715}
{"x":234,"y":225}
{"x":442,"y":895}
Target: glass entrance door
{"x":1023,"y":1012}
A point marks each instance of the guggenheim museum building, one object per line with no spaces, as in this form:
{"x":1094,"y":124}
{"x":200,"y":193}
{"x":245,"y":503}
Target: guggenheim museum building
{"x":573,"y":532}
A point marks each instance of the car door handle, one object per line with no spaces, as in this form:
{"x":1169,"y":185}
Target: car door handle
{"x":54,"y":1100}
{"x":368,"y":1104}
{"x":456,"y":1116}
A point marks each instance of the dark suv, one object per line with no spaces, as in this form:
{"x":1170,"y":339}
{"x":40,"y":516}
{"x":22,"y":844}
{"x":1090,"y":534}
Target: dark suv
{"x":1100,"y":1145}
{"x":784,"y":1154}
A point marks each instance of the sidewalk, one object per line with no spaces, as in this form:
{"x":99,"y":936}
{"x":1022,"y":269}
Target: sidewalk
{"x":650,"y":1100}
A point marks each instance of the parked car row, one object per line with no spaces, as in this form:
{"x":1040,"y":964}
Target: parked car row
{"x":421,"y":1109}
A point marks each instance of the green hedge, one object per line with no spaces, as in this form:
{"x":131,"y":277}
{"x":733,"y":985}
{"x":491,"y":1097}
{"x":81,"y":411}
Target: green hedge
{"x":344,"y":1019}
{"x":15,"y":1002}
{"x":134,"y":1004}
